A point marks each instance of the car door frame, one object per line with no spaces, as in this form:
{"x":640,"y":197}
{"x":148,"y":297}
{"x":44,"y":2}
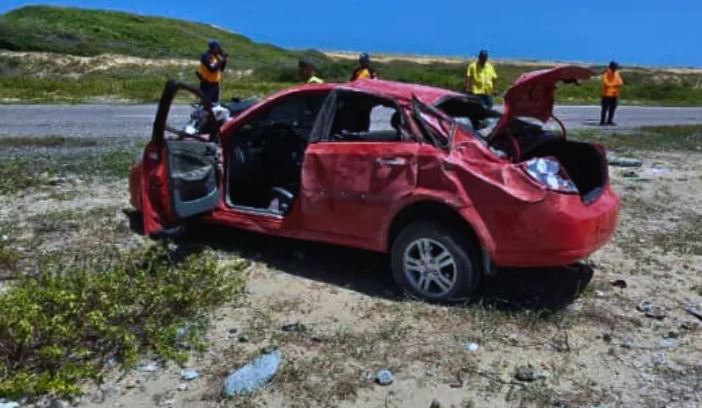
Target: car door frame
{"x":163,"y":207}
{"x":324,"y":189}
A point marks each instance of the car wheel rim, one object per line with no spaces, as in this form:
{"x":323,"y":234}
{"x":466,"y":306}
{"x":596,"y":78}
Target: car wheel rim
{"x":429,"y":267}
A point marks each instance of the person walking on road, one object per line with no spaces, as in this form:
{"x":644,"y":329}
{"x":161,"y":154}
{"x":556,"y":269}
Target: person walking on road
{"x":611,"y":89}
{"x":365,"y":69}
{"x":480,"y":79}
{"x":308,"y":72}
{"x":212,"y":64}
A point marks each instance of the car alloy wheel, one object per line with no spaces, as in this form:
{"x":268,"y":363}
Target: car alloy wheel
{"x":429,"y":267}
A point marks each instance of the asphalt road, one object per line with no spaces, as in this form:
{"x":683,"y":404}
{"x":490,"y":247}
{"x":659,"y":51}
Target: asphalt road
{"x":135,"y":121}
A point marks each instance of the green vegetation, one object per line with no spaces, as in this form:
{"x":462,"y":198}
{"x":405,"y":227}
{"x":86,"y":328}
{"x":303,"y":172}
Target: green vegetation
{"x":24,"y":166}
{"x":63,"y":325}
{"x":687,"y":138}
{"x":86,"y":32}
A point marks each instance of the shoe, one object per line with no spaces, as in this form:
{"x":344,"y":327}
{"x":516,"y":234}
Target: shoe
{"x":611,"y":124}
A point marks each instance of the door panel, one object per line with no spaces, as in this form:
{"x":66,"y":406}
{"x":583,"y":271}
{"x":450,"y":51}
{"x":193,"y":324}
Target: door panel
{"x":351,"y":188}
{"x":180,"y":164}
{"x":192,"y":176}
{"x":369,"y":180}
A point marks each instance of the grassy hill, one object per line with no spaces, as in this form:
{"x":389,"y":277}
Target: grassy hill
{"x":142,"y":52}
{"x":87,"y":32}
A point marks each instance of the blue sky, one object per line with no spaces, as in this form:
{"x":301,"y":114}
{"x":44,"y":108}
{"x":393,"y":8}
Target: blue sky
{"x":647,"y":32}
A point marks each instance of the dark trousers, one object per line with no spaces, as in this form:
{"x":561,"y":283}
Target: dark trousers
{"x":609,"y":105}
{"x":486,"y":100}
{"x":210,"y":90}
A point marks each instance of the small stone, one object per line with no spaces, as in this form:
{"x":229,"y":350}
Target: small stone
{"x":8,"y":404}
{"x":243,"y":338}
{"x":472,"y":347}
{"x":435,"y":404}
{"x":132,"y":383}
{"x":526,"y":373}
{"x":627,"y":343}
{"x":384,"y":377}
{"x":189,"y":374}
{"x":671,"y":335}
{"x":606,"y":337}
{"x":294,"y":327}
{"x":630,"y":174}
{"x":58,"y":403}
{"x":182,"y":387}
{"x":668,"y":343}
{"x":149,"y":367}
{"x":649,"y":309}
{"x":619,"y":283}
{"x":367,"y":376}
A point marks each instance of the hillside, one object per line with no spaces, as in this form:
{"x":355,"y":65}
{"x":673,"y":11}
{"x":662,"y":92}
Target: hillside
{"x":87,"y":32}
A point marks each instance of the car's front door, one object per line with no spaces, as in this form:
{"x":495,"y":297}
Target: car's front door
{"x":180,"y":165}
{"x":362,"y":165}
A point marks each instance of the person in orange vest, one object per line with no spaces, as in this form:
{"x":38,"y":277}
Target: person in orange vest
{"x":364,"y":70}
{"x":611,"y":89}
{"x":212,"y":64}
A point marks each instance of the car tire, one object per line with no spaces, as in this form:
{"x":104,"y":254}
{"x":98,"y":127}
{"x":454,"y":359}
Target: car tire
{"x":435,"y":263}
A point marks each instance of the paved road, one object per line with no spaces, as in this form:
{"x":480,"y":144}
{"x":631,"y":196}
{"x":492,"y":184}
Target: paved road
{"x":134,"y":121}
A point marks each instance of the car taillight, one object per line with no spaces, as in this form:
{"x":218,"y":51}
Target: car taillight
{"x":548,"y":172}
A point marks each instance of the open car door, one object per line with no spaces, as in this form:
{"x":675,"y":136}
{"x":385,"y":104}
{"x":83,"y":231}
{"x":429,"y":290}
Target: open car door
{"x":181,"y":162}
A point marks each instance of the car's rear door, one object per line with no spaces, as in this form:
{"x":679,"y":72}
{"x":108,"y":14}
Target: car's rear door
{"x":181,"y":162}
{"x":358,"y":179}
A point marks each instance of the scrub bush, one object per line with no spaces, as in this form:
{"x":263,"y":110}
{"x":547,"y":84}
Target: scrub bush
{"x":61,"y":326}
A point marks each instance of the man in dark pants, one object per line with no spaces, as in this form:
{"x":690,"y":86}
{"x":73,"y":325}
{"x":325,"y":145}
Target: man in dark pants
{"x":212,"y":64}
{"x":611,"y":89}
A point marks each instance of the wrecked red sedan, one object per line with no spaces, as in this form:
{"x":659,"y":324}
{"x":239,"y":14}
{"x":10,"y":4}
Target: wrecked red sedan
{"x":449,"y":189}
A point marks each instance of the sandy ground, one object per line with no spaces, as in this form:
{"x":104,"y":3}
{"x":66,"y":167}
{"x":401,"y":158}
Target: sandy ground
{"x":594,"y":350}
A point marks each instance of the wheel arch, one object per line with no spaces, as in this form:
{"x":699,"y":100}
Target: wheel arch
{"x":433,"y":210}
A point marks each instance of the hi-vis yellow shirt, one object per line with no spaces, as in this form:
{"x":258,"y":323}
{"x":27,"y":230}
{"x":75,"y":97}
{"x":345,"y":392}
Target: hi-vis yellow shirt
{"x":482,"y":79}
{"x":206,"y":74}
{"x":315,"y":80}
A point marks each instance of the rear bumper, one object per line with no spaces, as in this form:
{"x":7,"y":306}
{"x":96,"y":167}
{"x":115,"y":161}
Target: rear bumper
{"x":560,"y":230}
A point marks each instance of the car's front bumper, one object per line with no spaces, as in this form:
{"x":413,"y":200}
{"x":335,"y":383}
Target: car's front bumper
{"x":559,"y":230}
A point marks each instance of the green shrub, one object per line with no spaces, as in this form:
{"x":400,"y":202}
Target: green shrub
{"x":61,"y":326}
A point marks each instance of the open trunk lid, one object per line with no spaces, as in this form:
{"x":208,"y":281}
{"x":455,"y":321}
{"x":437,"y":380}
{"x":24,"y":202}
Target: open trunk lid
{"x":533,"y":93}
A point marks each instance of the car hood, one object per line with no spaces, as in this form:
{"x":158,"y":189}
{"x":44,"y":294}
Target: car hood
{"x":533,"y":93}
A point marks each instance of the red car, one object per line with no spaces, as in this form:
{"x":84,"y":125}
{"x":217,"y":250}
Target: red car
{"x":449,"y":189}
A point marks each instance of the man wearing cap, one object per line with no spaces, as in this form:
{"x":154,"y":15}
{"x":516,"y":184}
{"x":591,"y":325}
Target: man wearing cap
{"x":308,"y":72}
{"x":480,"y":79}
{"x":365,"y":69}
{"x":212,"y":64}
{"x":611,"y":89}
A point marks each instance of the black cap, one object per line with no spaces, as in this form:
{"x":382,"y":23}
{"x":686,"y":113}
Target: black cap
{"x":483,"y":54}
{"x":613,"y":65}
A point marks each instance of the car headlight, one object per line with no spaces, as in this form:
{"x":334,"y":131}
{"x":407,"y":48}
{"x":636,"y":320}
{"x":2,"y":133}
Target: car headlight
{"x":547,"y":171}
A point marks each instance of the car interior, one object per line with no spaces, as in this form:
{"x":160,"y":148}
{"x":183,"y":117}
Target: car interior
{"x":365,"y":118}
{"x":266,"y":156}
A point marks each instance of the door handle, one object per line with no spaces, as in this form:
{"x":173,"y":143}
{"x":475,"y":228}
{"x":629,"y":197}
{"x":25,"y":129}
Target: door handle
{"x":391,"y":161}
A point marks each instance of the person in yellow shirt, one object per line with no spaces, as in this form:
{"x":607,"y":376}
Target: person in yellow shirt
{"x":308,"y":72}
{"x":611,"y":90}
{"x":364,"y":70}
{"x":480,"y":79}
{"x":212,"y":64}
